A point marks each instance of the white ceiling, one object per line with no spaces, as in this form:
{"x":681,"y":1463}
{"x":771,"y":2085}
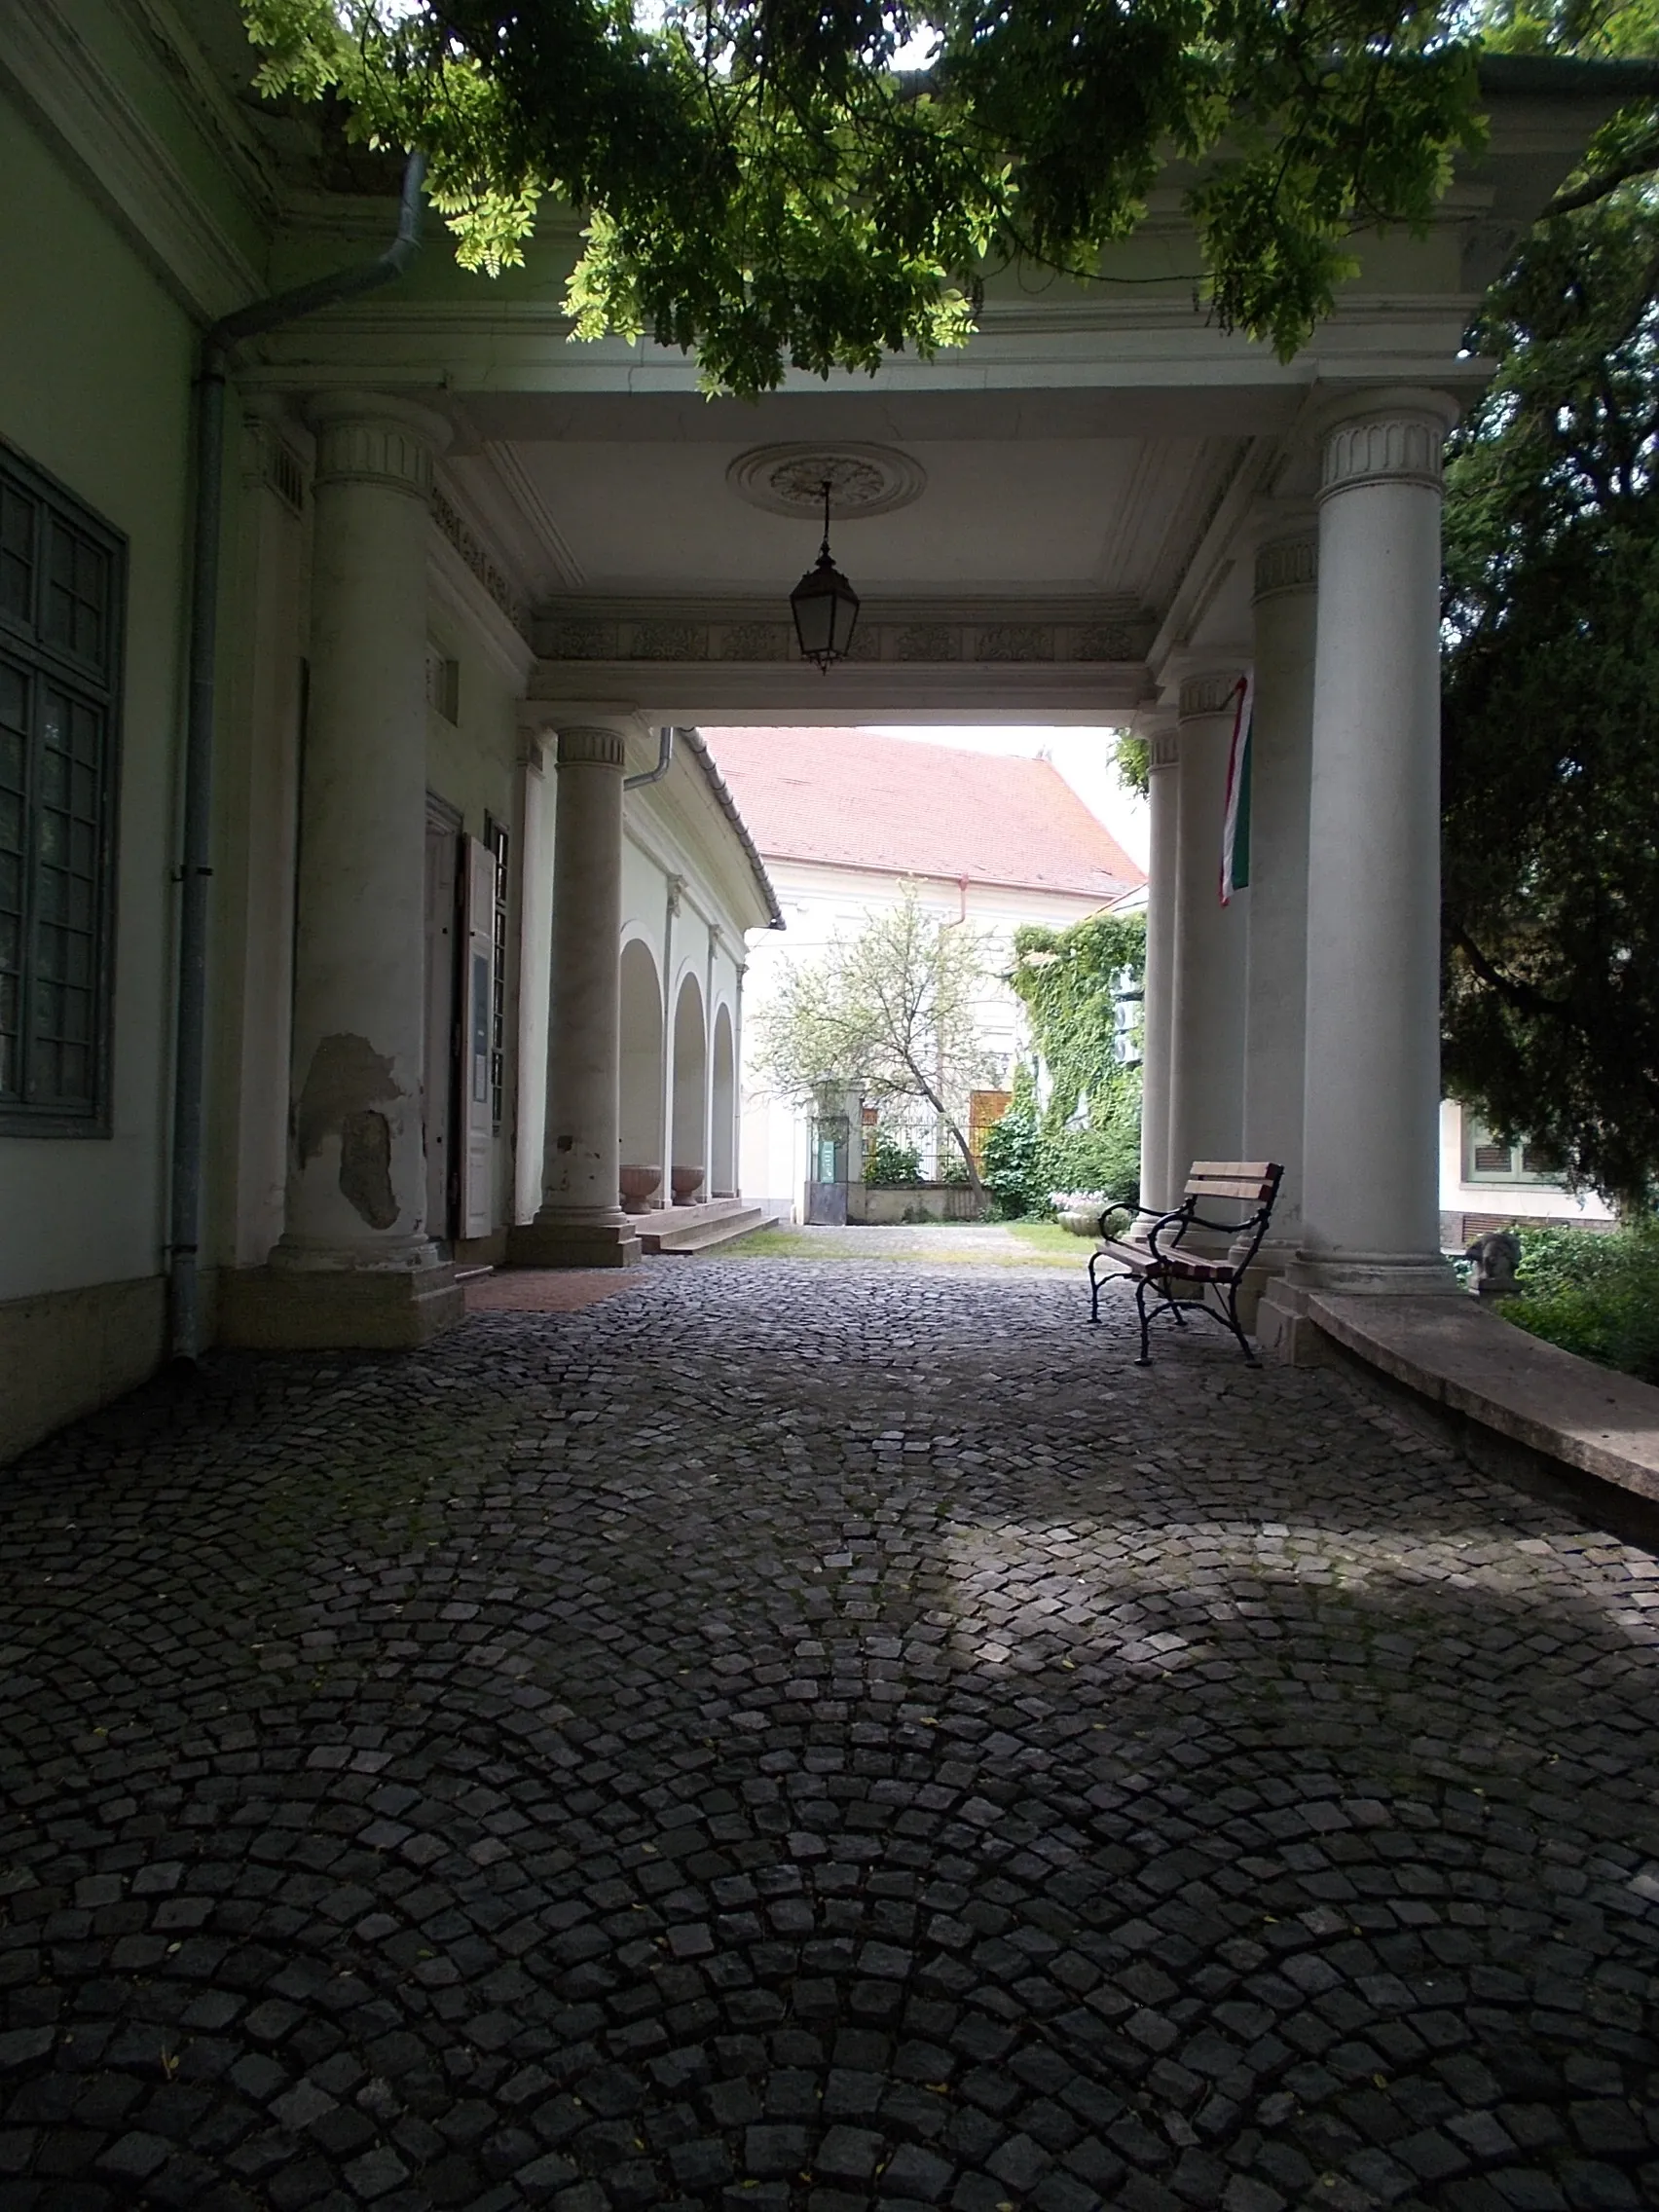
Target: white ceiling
{"x":1050,"y":516}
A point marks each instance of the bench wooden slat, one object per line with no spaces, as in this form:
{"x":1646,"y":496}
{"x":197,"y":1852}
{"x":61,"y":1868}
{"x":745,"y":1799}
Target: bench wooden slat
{"x":1258,"y":1169}
{"x":1187,"y":1267}
{"x":1225,"y":1187}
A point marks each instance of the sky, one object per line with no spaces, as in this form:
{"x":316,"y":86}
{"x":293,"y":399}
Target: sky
{"x":1083,"y":757}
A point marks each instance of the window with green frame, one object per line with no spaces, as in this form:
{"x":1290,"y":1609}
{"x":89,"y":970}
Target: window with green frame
{"x":63,"y":599}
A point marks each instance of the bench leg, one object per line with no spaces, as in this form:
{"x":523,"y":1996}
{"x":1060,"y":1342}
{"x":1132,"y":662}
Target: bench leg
{"x":1230,"y":1317}
{"x":1145,"y":1359}
{"x":1094,"y":1290}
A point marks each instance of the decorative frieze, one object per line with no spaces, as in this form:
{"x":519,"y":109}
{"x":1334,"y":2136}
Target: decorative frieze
{"x":927,"y":640}
{"x":1401,"y":448}
{"x":752,"y":641}
{"x":667,"y":641}
{"x":1208,"y":696}
{"x":585,"y":744}
{"x":1102,"y":642}
{"x":471,"y":550}
{"x":1288,"y":563}
{"x":1015,"y":641}
{"x":1163,"y":747}
{"x":585,"y":641}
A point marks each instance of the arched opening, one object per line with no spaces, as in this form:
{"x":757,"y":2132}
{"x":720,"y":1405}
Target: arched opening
{"x":641,"y":1080}
{"x":723,"y":1112}
{"x":688,"y":1153}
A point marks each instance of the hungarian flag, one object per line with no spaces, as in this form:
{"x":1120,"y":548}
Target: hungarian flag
{"x":1235,"y":824}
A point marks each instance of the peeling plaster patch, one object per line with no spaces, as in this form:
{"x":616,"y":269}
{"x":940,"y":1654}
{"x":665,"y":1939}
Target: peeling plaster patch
{"x":365,"y":1167}
{"x":346,"y":1075}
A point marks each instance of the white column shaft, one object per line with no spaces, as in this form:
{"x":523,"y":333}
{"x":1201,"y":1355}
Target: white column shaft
{"x":581,"y":1154}
{"x":1157,"y":1007}
{"x":357,"y":1180}
{"x":1373,"y":1085}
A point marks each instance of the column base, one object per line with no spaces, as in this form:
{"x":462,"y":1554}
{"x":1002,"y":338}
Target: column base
{"x":573,"y":1245}
{"x":1365,"y":1275}
{"x":1286,"y":1332}
{"x":337,"y":1309}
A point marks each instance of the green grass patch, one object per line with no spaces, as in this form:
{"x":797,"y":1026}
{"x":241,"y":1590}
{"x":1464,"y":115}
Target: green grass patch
{"x":1046,"y":1247}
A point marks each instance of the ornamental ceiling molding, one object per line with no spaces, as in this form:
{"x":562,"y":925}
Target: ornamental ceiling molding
{"x":864,"y":479}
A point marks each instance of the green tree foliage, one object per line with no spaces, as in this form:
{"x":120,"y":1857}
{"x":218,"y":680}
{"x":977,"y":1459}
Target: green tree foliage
{"x":1551,"y":760}
{"x":762,"y":184}
{"x":894,"y":1008}
{"x":1087,"y":1138}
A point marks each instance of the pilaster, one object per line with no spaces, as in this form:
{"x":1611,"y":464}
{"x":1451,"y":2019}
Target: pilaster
{"x":1207,"y":1015}
{"x":1285,"y":607}
{"x":1158,"y":1005}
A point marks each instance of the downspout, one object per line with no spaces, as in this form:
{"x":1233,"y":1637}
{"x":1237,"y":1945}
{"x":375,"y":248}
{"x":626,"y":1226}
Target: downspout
{"x":218,"y":346}
{"x":664,"y":761}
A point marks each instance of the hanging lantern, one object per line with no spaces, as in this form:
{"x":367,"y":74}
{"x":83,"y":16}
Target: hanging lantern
{"x":824,"y":606}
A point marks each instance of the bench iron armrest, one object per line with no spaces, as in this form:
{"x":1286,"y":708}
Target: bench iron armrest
{"x":1181,"y":1215}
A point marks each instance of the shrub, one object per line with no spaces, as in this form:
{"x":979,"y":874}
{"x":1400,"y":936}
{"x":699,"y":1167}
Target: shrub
{"x":1593,"y":1293}
{"x":1012,"y":1171}
{"x":887,"y":1162}
{"x":1024,"y":1161}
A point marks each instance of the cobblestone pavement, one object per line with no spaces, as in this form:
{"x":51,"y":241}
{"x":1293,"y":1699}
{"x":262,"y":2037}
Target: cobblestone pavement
{"x":815,"y":1738}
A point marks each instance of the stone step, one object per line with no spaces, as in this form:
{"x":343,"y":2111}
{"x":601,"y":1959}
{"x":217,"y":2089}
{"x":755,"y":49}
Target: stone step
{"x":687,"y":1230}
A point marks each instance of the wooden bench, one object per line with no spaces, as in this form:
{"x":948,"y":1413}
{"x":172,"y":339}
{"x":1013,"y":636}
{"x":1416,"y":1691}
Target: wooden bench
{"x":1181,"y":1283}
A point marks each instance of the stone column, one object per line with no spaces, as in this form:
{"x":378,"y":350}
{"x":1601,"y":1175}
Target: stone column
{"x":354,"y":1264}
{"x":1206,"y":1058}
{"x":1156,"y":1008}
{"x":1371,"y":1157}
{"x":580,"y":1223}
{"x":1280,"y":755}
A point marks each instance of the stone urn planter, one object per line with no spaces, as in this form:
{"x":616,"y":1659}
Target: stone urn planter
{"x":638,"y":1185}
{"x":685,"y":1183}
{"x":1079,"y":1211}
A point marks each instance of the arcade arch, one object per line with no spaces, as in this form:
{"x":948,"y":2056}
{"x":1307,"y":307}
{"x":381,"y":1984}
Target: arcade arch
{"x":722,"y":1111}
{"x":641,"y":1068}
{"x":688,"y":1105}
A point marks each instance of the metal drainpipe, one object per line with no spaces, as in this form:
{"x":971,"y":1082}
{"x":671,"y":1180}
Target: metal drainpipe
{"x":664,"y":761}
{"x":195,"y":863}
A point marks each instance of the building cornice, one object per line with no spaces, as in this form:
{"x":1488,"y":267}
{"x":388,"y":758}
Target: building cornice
{"x":120,"y":160}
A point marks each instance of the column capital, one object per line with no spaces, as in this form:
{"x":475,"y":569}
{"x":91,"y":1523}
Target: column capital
{"x":1385,"y":437}
{"x":1163,"y":744}
{"x":1209,"y":693}
{"x":370,"y":437}
{"x":592,"y":745}
{"x":1287,"y":564}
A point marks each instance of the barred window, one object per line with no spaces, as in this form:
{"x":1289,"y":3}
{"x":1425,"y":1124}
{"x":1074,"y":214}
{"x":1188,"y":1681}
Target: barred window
{"x":62,"y":588}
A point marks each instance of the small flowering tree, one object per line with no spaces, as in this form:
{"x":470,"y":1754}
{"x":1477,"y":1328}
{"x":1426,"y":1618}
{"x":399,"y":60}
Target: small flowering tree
{"x":894,"y":1007}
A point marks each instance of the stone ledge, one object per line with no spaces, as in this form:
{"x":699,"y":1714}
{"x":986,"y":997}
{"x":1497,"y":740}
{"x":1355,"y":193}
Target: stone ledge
{"x":1460,"y":1357}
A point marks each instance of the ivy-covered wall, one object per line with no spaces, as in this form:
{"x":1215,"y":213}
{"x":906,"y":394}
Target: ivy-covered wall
{"x":1074,"y":1122}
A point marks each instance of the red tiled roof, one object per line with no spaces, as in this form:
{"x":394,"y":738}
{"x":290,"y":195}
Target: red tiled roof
{"x":849,"y":798}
